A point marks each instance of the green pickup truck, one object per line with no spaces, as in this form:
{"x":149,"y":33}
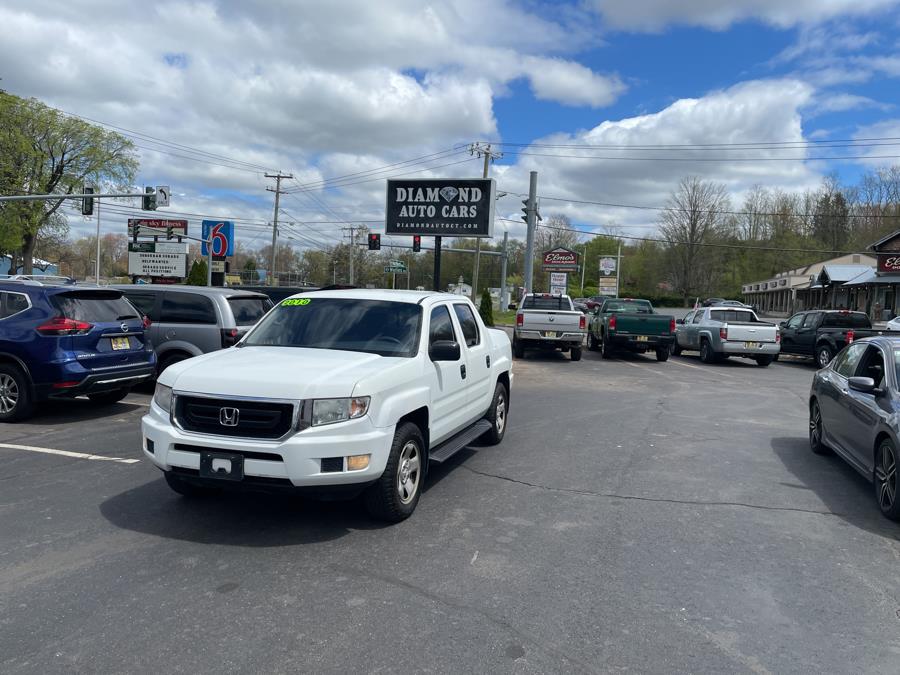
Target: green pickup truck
{"x":630,"y":325}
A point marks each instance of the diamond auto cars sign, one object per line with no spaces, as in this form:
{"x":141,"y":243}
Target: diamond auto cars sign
{"x":449,"y":207}
{"x":560,"y":260}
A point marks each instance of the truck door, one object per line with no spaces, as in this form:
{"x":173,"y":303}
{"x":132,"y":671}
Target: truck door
{"x":481,"y":387}
{"x":789,"y":333}
{"x":805,"y":339}
{"x":448,"y":380}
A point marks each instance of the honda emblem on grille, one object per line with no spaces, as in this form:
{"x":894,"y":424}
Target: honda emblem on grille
{"x":228,"y":417}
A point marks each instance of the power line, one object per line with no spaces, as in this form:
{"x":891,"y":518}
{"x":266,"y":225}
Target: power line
{"x":400,"y":175}
{"x":703,"y":159}
{"x":850,"y":142}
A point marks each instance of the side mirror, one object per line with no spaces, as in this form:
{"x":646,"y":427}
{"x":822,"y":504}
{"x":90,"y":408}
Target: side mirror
{"x":681,"y":321}
{"x":447,"y":350}
{"x":783,"y":324}
{"x":864,"y":384}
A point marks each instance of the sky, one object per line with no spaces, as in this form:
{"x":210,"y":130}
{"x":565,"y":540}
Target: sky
{"x":342,"y":94}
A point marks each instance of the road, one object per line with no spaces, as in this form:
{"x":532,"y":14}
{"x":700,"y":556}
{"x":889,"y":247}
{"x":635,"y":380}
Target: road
{"x":643,"y":516}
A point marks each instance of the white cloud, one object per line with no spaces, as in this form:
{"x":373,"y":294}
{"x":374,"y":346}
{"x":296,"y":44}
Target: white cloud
{"x":839,"y":102}
{"x":655,"y":15}
{"x":884,"y":129}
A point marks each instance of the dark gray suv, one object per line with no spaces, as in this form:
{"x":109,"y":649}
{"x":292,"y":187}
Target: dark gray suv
{"x":188,"y":321}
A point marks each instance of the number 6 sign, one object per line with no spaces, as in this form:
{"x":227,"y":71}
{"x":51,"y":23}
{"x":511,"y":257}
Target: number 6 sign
{"x":222,"y":232}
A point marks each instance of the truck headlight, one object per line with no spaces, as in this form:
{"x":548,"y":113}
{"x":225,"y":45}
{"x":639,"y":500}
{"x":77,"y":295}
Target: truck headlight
{"x":331,"y":410}
{"x":163,"y":396}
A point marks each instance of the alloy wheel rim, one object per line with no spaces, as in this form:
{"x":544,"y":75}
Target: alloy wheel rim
{"x":408,"y":472}
{"x":886,"y":477}
{"x":9,"y":393}
{"x":815,"y":426}
{"x":500,"y":414}
{"x":824,"y":359}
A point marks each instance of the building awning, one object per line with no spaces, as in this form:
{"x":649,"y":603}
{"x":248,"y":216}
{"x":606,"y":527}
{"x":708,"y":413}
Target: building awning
{"x":875,"y":280}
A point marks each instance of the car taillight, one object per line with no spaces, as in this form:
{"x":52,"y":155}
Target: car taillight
{"x":520,"y":319}
{"x":672,"y":325}
{"x":612,"y":322}
{"x":582,"y":322}
{"x":723,"y":332}
{"x":229,"y":337}
{"x":777,"y":335}
{"x":850,"y":336}
{"x":60,"y":325}
{"x":146,"y":321}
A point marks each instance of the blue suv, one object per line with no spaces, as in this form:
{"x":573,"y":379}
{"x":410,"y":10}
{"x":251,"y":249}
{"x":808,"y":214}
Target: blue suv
{"x":65,"y":341}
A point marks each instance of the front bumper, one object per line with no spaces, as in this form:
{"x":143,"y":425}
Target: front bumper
{"x":294,"y":461}
{"x":741,"y":349}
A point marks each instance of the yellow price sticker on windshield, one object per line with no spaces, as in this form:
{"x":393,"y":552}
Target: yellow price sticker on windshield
{"x":294,"y":302}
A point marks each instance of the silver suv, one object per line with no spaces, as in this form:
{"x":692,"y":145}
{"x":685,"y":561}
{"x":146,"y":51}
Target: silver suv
{"x":188,"y":321}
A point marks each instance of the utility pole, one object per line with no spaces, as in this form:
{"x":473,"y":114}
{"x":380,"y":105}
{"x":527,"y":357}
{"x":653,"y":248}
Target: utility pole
{"x":489,"y":156}
{"x":530,"y":213}
{"x":583,"y":267}
{"x":352,"y":252}
{"x":504,"y":301}
{"x":97,"y":267}
{"x":277,"y":176}
{"x":619,"y":271}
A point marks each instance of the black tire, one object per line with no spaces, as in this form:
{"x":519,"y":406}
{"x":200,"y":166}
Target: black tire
{"x":497,"y":416}
{"x":518,"y":349}
{"x":605,"y":349}
{"x":592,"y":342}
{"x":775,"y":356}
{"x":384,"y":499}
{"x":575,"y":353}
{"x":707,"y":355}
{"x":763,"y":361}
{"x":185,"y":488}
{"x":816,"y":430}
{"x":108,"y":397}
{"x":169,"y":360}
{"x":16,"y":398}
{"x":824,"y":354}
{"x":676,"y":350}
{"x":886,"y":481}
{"x":662,"y":354}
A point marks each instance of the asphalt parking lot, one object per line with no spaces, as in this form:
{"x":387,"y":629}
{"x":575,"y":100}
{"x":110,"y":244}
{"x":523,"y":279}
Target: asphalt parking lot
{"x":643,"y":516}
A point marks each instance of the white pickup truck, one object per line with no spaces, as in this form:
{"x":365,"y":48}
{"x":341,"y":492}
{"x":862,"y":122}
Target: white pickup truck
{"x":337,"y":392}
{"x":546,"y":321}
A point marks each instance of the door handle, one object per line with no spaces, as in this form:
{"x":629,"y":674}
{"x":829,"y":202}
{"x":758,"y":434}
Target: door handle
{"x":487,"y":360}
{"x":462,"y":371}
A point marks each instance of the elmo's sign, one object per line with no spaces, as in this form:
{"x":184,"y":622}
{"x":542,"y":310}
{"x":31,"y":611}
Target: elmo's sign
{"x":560,"y":260}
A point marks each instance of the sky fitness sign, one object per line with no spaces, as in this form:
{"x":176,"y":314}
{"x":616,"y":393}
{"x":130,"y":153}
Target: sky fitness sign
{"x":441,"y":208}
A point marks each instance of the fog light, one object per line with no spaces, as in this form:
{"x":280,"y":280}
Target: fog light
{"x":357,"y":462}
{"x":151,"y":447}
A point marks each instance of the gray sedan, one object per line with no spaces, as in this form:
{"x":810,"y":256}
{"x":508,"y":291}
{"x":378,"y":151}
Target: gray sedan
{"x":853,"y":407}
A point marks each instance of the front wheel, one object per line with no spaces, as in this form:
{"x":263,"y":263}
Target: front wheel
{"x":592,"y":342}
{"x":395,"y":494}
{"x":575,"y":353}
{"x":824,"y":354}
{"x":662,"y":354}
{"x":886,"y":480}
{"x":497,"y":416}
{"x":108,"y":397}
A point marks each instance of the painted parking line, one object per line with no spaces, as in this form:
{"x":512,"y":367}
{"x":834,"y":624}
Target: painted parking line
{"x":68,"y":453}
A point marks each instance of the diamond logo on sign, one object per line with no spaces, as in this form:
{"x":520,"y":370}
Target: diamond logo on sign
{"x":449,"y":193}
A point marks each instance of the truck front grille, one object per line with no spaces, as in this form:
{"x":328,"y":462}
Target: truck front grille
{"x":240,"y":419}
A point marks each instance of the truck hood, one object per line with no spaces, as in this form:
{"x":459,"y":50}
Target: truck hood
{"x":277,"y":372}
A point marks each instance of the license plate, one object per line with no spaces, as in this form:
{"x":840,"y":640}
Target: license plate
{"x":751,"y":345}
{"x":642,"y":338}
{"x":120,"y":343}
{"x":221,"y":465}
{"x":549,"y":333}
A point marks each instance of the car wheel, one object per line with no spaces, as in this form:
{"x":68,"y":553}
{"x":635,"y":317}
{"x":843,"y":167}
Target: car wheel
{"x":816,"y":429}
{"x":575,"y":353}
{"x":497,"y":416}
{"x":185,"y":488}
{"x":605,"y":349}
{"x":169,"y":360}
{"x":824,"y":354}
{"x":763,"y":361}
{"x":394,"y":496}
{"x":592,"y":342}
{"x":662,"y":354}
{"x":518,"y":349}
{"x":775,"y":357}
{"x":15,"y":394}
{"x":676,"y":350}
{"x":108,"y":397}
{"x":707,"y":355}
{"x":886,"y":480}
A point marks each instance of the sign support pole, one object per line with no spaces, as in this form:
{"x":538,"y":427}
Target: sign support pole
{"x":436,"y":282}
{"x":97,"y":266}
{"x":529,"y":240}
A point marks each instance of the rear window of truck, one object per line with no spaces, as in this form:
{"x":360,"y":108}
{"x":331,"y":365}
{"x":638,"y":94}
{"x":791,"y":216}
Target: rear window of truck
{"x":637,"y":306}
{"x":731,"y":315}
{"x":846,"y":320}
{"x":547,"y":302}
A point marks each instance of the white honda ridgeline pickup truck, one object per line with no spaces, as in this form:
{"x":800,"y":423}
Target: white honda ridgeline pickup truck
{"x":339,"y":392}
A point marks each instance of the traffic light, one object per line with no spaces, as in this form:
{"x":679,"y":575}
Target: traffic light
{"x":87,"y":204}
{"x":135,"y":232}
{"x":525,"y":209}
{"x":417,"y":243}
{"x":169,"y":233}
{"x":374,"y":241}
{"x":148,"y":201}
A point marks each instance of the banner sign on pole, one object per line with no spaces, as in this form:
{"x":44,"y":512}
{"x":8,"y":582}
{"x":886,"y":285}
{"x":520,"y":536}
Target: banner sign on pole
{"x":157,"y":264}
{"x":449,"y":207}
{"x":222,"y":232}
{"x":560,"y":260}
{"x":607,"y":265}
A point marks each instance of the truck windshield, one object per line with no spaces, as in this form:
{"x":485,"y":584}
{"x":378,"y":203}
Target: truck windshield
{"x":546,"y":302}
{"x":638,"y":306}
{"x":372,"y":326}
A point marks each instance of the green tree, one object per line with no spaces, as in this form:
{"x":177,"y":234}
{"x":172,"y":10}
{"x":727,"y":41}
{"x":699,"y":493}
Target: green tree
{"x":486,"y":308}
{"x":43,"y":151}
{"x":197,"y":275}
